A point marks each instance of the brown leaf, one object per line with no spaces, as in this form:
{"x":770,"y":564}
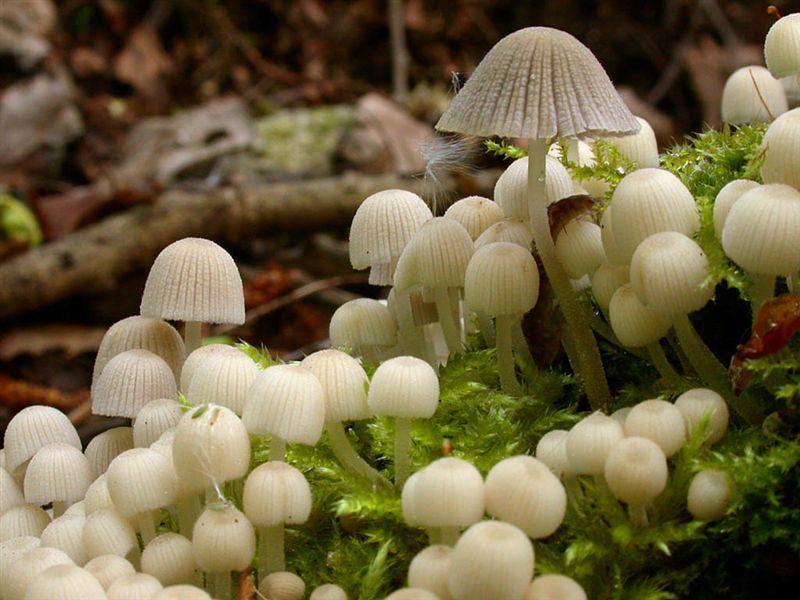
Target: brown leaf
{"x":247,"y":585}
{"x":61,"y":214}
{"x":565,"y":210}
{"x":16,"y":395}
{"x":143,"y":62}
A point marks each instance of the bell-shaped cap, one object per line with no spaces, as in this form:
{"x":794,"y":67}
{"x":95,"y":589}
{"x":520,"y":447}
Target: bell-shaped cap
{"x":782,"y":46}
{"x":449,"y":492}
{"x":276,"y":493}
{"x":659,"y":421}
{"x":640,"y":147}
{"x":58,"y":472}
{"x":344,"y":381}
{"x":511,"y":189}
{"x":168,"y":557}
{"x":224,"y":379}
{"x":34,"y":427}
{"x":752,"y":95}
{"x":635,"y":324}
{"x":782,"y":151}
{"x":475,"y":214}
{"x":538,"y":83}
{"x":194,"y":279}
{"x":636,"y":470}
{"x":223,"y":540}
{"x":106,"y":446}
{"x":501,"y":279}
{"x":515,"y":232}
{"x":72,"y":583}
{"x":726,"y":198}
{"x":405,"y":387}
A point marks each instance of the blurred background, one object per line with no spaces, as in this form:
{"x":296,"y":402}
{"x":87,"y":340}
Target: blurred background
{"x":125,"y":118}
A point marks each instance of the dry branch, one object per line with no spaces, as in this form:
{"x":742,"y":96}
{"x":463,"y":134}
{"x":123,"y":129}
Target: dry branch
{"x":93,"y":259}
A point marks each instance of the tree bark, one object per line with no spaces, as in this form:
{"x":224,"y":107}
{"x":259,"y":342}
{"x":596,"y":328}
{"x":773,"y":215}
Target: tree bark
{"x":93,"y":259}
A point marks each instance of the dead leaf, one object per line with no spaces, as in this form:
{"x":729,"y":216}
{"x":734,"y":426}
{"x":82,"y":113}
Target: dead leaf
{"x":16,"y":395}
{"x":143,"y":63}
{"x":36,"y":340}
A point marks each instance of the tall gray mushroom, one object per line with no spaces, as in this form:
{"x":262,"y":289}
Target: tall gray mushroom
{"x":541,"y":83}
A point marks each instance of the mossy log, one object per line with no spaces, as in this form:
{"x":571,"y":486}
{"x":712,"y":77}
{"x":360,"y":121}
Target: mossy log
{"x":93,"y":259}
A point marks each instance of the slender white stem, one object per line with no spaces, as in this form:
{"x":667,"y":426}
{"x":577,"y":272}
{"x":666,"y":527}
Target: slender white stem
{"x":59,"y":508}
{"x":272,"y":553}
{"x":638,"y":515}
{"x":452,"y":330}
{"x":505,"y":356}
{"x":589,"y":365}
{"x":665,"y":369}
{"x":221,"y":585}
{"x":347,"y":455}
{"x":192,"y":336}
{"x":487,"y":329}
{"x":145,"y":522}
{"x":412,"y":340}
{"x":277,"y":448}
{"x":449,"y":535}
{"x":188,"y":508}
{"x":763,"y":290}
{"x":402,"y":451}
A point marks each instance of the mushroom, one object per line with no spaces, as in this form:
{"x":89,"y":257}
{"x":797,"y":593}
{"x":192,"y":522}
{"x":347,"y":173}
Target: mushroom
{"x":65,"y":582}
{"x":23,"y":520}
{"x":107,"y":568}
{"x":106,"y":446}
{"x":641,"y":147}
{"x":699,"y":404}
{"x":328,"y":591}
{"x":364,"y":326}
{"x":539,"y":83}
{"x":134,"y":587}
{"x":658,"y":421}
{"x":195,"y":281}
{"x":58,"y":473}
{"x":34,"y":427}
{"x":168,"y":558}
{"x":752,"y":95}
{"x":555,"y":587}
{"x":430,"y":569}
{"x":709,"y":495}
{"x":282,"y":585}
{"x":66,"y":534}
{"x":636,"y":472}
{"x":475,"y":214}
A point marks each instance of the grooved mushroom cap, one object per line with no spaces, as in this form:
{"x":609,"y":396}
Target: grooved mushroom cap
{"x":501,"y":279}
{"x":752,"y":95}
{"x":106,"y":446}
{"x":108,"y":532}
{"x":27,"y":568}
{"x":701,"y":403}
{"x":194,"y":280}
{"x":552,"y":452}
{"x":726,"y":198}
{"x":782,"y":46}
{"x":168,"y":558}
{"x":108,"y":568}
{"x":709,"y":495}
{"x":134,"y":587}
{"x":276,"y":493}
{"x":782,"y":150}
{"x":155,"y":335}
{"x":636,"y":470}
{"x":154,"y":419}
{"x":515,"y":232}
{"x":579,"y":248}
{"x":659,"y":421}
{"x":449,"y":492}
{"x":97,"y":496}
{"x":10,"y":492}
{"x":412,"y":594}
{"x":57,"y":473}
{"x":211,"y":445}
{"x":436,"y":256}
{"x":181,"y":592}
{"x":405,"y":387}
{"x":640,"y":147}
{"x":12,"y":549}
{"x":66,"y":534}
{"x":141,"y":480}
{"x":287,"y":401}
{"x":589,"y":442}
{"x":345,"y":384}
{"x":493,"y":560}
{"x":282,"y":585}
{"x":72,"y":583}
{"x":129,"y":381}
{"x":635,"y":324}
{"x":555,"y":587}
{"x":669,"y":272}
{"x":381,"y":228}
{"x":648,"y":201}
{"x":23,"y":520}
{"x":363,"y":322}
{"x":34,"y":427}
{"x":196,"y":359}
{"x":523,"y":491}
{"x":606,"y":280}
{"x":328,"y":591}
{"x":762,"y":230}
{"x":511,"y":189}
{"x":430,"y":568}
{"x":223,"y":540}
{"x":224,"y":379}
{"x":538,"y":83}
{"x":475,"y":214}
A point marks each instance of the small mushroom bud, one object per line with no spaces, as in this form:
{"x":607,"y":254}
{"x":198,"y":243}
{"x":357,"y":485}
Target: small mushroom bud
{"x":134,"y":587}
{"x":328,"y":591}
{"x":282,"y":585}
{"x":636,"y":472}
{"x":475,"y":214}
{"x":106,"y":446}
{"x":430,"y":570}
{"x":65,"y":582}
{"x":23,"y":520}
{"x":107,"y":568}
{"x":169,"y":559}
{"x":701,"y":403}
{"x":589,"y":442}
{"x":709,"y":495}
{"x":555,"y":587}
{"x":21,"y":572}
{"x":659,"y":421}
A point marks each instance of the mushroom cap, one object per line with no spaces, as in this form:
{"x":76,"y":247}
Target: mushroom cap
{"x":27,"y":568}
{"x":551,"y":450}
{"x":636,"y":470}
{"x":699,"y":403}
{"x":181,"y":592}
{"x":141,"y":480}
{"x":224,"y":379}
{"x":134,"y":587}
{"x":276,"y":493}
{"x":511,"y":189}
{"x":410,"y":593}
{"x":196,"y":359}
{"x":282,"y":585}
{"x":640,"y":147}
{"x":762,"y":230}
{"x":345,"y":384}
{"x":709,"y":495}
{"x":108,"y":532}
{"x":154,"y":419}
{"x":328,"y":591}
{"x":23,"y":520}
{"x":168,"y":557}
{"x":538,"y":83}
{"x":194,"y":279}
{"x":287,"y":401}
{"x":106,"y":446}
{"x":129,"y":381}
{"x":449,"y":492}
{"x":72,"y":583}
{"x":782,"y":150}
{"x":579,"y":248}
{"x":475,"y":213}
{"x":589,"y":442}
{"x":726,"y":198}
{"x":523,"y":491}
{"x":58,"y":472}
{"x":10,"y":492}
{"x":34,"y":427}
{"x":363,"y":322}
{"x":223,"y":540}
{"x":752,"y":95}
{"x":659,"y":421}
{"x":430,"y":568}
{"x":492,"y":559}
{"x":66,"y":534}
{"x":515,"y":232}
{"x":155,"y":335}
{"x":606,"y":280}
{"x":382,"y":226}
{"x":555,"y":587}
{"x":107,"y":568}
{"x":635,"y":324}
{"x":782,"y":46}
{"x":405,"y":387}
{"x":669,"y":272}
{"x":501,"y":279}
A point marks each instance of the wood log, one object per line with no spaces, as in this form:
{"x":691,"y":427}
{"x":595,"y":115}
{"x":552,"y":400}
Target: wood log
{"x":93,"y":259}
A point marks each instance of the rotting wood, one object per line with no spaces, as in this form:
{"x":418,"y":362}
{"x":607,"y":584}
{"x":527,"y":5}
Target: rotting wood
{"x":94,"y":259}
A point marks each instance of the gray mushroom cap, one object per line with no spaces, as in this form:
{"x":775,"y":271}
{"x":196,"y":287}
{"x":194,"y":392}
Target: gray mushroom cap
{"x":539,"y":83}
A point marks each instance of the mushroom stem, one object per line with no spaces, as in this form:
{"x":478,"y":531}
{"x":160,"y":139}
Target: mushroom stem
{"x":638,"y":515}
{"x":663,"y":366}
{"x":589,"y":365}
{"x":505,"y":356}
{"x":449,"y":535}
{"x":712,"y":371}
{"x":347,"y":455}
{"x":412,"y":341}
{"x":277,"y":448}
{"x":520,"y":344}
{"x":188,"y":508}
{"x":192,"y":335}
{"x":271,"y":553}
{"x":763,"y":290}
{"x":402,"y":448}
{"x":487,"y":328}
{"x":220,"y":584}
{"x":791,"y":283}
{"x":59,"y":508}
{"x":451,"y":330}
